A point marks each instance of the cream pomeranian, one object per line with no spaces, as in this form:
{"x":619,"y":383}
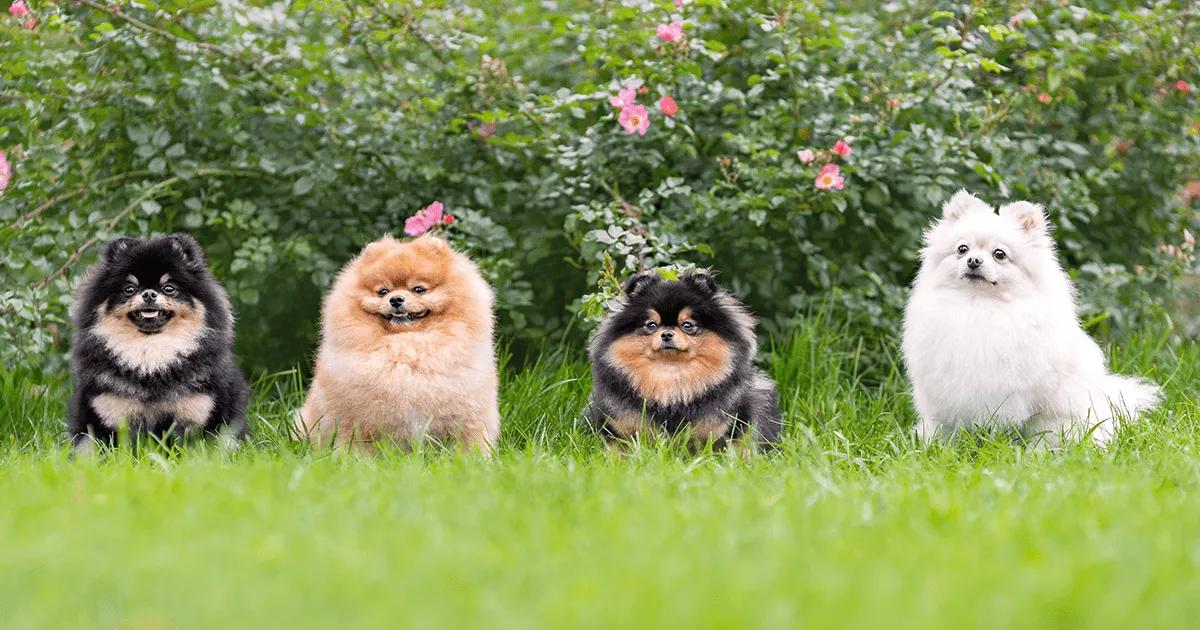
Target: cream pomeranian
{"x":991,"y":335}
{"x":406,"y":351}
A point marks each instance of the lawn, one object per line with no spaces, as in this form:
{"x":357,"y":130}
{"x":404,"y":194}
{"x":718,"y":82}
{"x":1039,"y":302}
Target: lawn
{"x":851,"y":524}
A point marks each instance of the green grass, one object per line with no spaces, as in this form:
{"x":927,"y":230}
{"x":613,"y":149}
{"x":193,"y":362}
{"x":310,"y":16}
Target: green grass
{"x":851,"y":524}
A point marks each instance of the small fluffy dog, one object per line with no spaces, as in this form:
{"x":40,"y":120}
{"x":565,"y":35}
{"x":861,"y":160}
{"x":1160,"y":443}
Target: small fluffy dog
{"x":991,"y":335}
{"x":678,"y":356}
{"x":406,"y":350}
{"x":153,"y":346}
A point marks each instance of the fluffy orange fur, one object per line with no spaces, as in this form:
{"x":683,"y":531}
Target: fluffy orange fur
{"x":699,"y":362}
{"x":431,"y":377}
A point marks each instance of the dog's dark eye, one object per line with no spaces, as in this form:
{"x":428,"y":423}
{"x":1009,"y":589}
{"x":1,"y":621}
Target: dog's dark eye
{"x":419,"y":289}
{"x":962,"y":249}
{"x":382,"y":291}
{"x":650,"y":326}
{"x":129,"y":289}
{"x":688,"y":327}
{"x":999,"y":254}
{"x":168,"y":289}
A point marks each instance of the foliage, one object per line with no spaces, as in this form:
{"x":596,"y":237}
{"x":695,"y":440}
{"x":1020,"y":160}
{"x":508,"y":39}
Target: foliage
{"x":286,"y":135}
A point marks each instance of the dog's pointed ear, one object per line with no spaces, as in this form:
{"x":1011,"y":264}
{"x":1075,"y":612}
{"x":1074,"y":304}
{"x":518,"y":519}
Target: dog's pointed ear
{"x":962,"y":204}
{"x":188,"y":249}
{"x":638,"y":284}
{"x":701,"y":280}
{"x":1030,"y":216}
{"x":118,"y":246}
{"x":378,"y":246}
{"x":434,"y":243}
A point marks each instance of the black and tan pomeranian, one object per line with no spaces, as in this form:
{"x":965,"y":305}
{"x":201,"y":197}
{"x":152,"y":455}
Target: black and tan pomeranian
{"x":153,"y":346}
{"x":677,"y":357}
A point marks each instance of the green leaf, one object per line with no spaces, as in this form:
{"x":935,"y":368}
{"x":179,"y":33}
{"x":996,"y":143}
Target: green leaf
{"x":302,"y":185}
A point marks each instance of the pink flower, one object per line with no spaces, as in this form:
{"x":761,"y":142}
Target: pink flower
{"x":31,"y":24}
{"x":1190,"y":189}
{"x":424,"y":219}
{"x":1022,"y":17}
{"x":1044,"y":98}
{"x":18,"y":8}
{"x":1183,"y":86}
{"x":668,"y":106}
{"x":679,"y":3}
{"x":5,"y":171}
{"x":830,"y":178}
{"x":634,"y":118}
{"x":805,"y":155}
{"x":624,"y":98}
{"x":448,"y":219}
{"x":643,"y":90}
{"x":841,"y":148}
{"x":669,"y":33}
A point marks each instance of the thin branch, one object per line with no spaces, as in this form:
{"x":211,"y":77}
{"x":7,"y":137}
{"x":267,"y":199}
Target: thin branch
{"x":255,"y":65}
{"x":33,"y":214}
{"x":634,"y":212}
{"x":149,"y":193}
{"x":407,"y":25}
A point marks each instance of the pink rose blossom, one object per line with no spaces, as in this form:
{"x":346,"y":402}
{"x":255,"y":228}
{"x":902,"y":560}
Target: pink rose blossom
{"x":805,"y":155}
{"x":1044,"y":98}
{"x":1024,"y":16}
{"x":841,"y":148}
{"x":634,"y":118}
{"x":18,"y":8}
{"x":624,"y":98}
{"x":1190,"y":189}
{"x":424,"y":219}
{"x":830,"y":178}
{"x":1183,"y":86}
{"x":5,"y":171}
{"x":670,"y":33}
{"x":668,"y":106}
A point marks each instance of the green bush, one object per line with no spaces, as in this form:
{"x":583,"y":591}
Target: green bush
{"x":284,"y":136}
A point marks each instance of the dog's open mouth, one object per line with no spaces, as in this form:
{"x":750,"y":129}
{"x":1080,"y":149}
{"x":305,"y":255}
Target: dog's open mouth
{"x":150,"y":320}
{"x":975,"y":276}
{"x":405,"y":318}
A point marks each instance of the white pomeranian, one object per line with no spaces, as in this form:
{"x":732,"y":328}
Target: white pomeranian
{"x":991,"y":336}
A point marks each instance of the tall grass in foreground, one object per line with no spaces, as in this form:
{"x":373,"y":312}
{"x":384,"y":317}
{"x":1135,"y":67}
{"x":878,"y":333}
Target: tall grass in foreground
{"x":835,"y":402}
{"x":850,"y":524}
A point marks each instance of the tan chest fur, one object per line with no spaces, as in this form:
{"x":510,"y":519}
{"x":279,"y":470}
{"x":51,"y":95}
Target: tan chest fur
{"x":116,"y":411}
{"x":399,"y":392}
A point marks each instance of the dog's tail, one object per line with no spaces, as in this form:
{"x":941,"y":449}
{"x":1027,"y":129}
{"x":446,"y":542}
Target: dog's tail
{"x":1128,"y":397}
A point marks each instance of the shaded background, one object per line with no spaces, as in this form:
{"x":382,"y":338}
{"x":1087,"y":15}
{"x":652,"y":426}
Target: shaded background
{"x":286,"y":135}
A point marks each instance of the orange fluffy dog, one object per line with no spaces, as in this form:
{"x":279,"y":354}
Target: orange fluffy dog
{"x":406,"y":350}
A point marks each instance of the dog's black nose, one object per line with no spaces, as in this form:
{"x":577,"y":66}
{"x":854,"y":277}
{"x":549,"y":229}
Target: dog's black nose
{"x":974,"y":262}
{"x":668,"y":335}
{"x":149,"y":296}
{"x":397,"y":301}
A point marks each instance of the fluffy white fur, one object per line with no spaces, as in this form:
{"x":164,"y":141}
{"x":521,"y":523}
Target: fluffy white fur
{"x":1000,"y":345}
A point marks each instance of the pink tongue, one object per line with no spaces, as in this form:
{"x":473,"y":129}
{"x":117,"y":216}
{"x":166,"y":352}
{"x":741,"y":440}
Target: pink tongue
{"x":149,"y":314}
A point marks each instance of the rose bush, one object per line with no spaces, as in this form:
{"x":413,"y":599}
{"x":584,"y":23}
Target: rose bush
{"x":799,"y":150}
